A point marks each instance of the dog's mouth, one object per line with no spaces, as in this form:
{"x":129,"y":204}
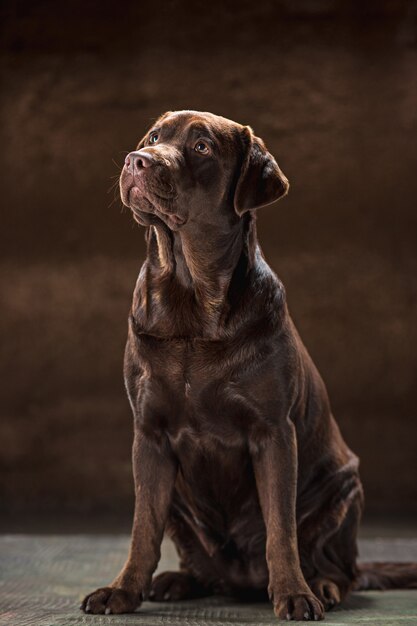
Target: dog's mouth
{"x":147,"y":197}
{"x":140,"y":203}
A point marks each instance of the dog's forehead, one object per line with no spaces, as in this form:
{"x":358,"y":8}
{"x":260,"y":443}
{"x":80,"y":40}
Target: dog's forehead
{"x":186,"y":121}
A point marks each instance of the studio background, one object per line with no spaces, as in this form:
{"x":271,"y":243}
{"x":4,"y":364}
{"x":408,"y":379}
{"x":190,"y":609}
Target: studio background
{"x":332,"y":89}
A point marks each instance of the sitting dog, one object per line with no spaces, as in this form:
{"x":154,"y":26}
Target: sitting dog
{"x":236,"y":453}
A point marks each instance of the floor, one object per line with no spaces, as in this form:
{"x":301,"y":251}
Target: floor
{"x":44,"y":577}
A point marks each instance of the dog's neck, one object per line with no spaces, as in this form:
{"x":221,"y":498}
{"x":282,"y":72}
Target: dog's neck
{"x":202,"y":266}
{"x":202,"y":261}
{"x":206,"y":262}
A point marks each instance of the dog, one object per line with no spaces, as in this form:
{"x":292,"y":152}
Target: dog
{"x":236,"y":452}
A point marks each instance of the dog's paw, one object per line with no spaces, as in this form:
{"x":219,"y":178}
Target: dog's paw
{"x":298,"y":607}
{"x":174,"y":586}
{"x":327,"y":592}
{"x":111,"y":600}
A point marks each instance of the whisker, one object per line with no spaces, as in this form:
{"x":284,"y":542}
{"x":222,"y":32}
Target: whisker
{"x":120,"y":167}
{"x":115,"y":199}
{"x":113,"y":186}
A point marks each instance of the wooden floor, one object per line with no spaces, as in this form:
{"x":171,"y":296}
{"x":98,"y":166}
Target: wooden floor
{"x":44,"y":577}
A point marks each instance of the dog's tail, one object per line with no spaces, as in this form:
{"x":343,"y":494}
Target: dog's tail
{"x":380,"y":575}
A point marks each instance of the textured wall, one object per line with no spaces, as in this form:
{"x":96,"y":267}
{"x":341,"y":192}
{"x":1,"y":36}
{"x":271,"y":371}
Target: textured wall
{"x":332,"y":88}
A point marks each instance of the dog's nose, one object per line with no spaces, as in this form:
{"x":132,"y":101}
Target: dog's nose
{"x":138,"y":160}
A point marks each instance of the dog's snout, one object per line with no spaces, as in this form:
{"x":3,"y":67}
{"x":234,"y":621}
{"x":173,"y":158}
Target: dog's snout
{"x":138,"y":160}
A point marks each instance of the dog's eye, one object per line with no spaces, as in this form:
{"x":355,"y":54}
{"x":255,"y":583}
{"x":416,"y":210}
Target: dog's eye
{"x":201,"y":147}
{"x":153,"y":137}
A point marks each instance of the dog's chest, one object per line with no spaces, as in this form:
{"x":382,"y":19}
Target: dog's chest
{"x":192,"y":390}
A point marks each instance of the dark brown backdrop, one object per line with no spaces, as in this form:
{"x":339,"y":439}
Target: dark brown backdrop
{"x":332,"y":88}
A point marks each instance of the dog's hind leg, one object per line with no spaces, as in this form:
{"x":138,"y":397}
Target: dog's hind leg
{"x":197,"y":574}
{"x":174,"y":586}
{"x":328,"y":545}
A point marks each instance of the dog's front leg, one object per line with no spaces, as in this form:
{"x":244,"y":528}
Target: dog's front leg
{"x":154,"y":469}
{"x":275,"y":467}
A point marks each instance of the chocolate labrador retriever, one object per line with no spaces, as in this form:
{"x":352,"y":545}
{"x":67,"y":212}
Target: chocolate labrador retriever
{"x":236,"y":452}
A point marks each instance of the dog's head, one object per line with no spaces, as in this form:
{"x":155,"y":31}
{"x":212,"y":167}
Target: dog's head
{"x":194,"y":167}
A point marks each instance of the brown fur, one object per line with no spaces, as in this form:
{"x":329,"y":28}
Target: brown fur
{"x":236,"y":452}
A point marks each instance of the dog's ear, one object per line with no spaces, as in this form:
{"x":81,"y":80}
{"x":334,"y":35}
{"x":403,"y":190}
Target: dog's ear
{"x":260,"y":181}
